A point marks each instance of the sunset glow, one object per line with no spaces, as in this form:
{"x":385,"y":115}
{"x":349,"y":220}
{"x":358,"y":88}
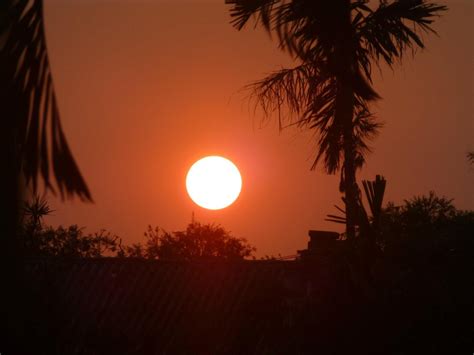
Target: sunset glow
{"x":234,"y":177}
{"x":213,"y":182}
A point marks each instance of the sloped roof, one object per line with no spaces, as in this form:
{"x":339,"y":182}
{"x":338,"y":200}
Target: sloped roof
{"x":112,"y":305}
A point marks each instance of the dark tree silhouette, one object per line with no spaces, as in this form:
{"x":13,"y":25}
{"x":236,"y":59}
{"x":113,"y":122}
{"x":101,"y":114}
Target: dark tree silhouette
{"x":336,"y":44}
{"x":40,"y":240}
{"x":426,"y":222}
{"x":70,"y":242}
{"x":198,"y":241}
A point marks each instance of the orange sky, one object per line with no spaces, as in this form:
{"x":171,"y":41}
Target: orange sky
{"x":148,"y":87}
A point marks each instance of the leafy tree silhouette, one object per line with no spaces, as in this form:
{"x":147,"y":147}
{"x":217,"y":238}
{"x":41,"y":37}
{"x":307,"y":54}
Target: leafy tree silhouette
{"x":69,"y":242}
{"x":425,"y":223}
{"x":40,"y":240}
{"x":198,"y":241}
{"x":336,"y":44}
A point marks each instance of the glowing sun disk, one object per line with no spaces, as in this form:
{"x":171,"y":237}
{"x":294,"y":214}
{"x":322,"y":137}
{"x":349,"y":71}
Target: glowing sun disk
{"x":213,"y":182}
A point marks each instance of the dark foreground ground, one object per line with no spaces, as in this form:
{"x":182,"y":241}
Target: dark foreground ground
{"x":422,"y":305}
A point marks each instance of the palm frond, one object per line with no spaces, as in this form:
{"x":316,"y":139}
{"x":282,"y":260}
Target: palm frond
{"x":330,"y":144}
{"x":336,"y":42}
{"x":292,"y":92}
{"x":28,"y":98}
{"x":374,"y":192}
{"x":395,"y":26}
{"x":304,"y":28}
{"x":335,"y":219}
{"x":365,"y":128}
{"x":37,"y":209}
{"x":305,"y":97}
{"x":470,"y":157}
{"x":242,"y":10}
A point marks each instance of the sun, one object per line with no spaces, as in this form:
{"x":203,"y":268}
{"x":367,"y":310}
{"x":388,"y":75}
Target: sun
{"x":213,"y":182}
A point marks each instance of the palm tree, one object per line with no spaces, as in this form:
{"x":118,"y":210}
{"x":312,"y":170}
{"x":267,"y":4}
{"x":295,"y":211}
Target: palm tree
{"x":336,"y":43}
{"x":32,"y":142}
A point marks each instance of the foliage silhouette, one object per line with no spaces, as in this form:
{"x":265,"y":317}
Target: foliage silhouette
{"x":426,"y":222}
{"x":40,"y":240}
{"x":71,"y":242}
{"x":374,"y":192}
{"x":336,"y":44}
{"x":421,"y":220}
{"x":29,"y":100}
{"x":470,"y":157}
{"x":198,"y":241}
{"x":34,"y":211}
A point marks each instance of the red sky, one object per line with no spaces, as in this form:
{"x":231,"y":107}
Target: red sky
{"x":148,"y":87}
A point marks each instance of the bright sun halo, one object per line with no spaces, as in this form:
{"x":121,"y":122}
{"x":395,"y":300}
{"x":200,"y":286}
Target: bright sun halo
{"x":213,"y":182}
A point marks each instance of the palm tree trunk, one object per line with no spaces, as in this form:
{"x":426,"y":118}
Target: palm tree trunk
{"x":349,"y":183}
{"x":345,"y":111}
{"x":345,"y":101}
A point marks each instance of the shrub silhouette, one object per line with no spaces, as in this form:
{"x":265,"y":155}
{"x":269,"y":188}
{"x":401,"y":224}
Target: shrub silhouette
{"x":198,"y":241}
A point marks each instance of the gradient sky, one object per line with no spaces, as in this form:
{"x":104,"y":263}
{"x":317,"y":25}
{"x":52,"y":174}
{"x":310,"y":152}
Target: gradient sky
{"x":146,"y":88}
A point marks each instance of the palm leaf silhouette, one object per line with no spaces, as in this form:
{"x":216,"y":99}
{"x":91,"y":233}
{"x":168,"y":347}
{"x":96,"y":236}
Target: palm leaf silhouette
{"x":374,"y":194}
{"x":29,"y":101}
